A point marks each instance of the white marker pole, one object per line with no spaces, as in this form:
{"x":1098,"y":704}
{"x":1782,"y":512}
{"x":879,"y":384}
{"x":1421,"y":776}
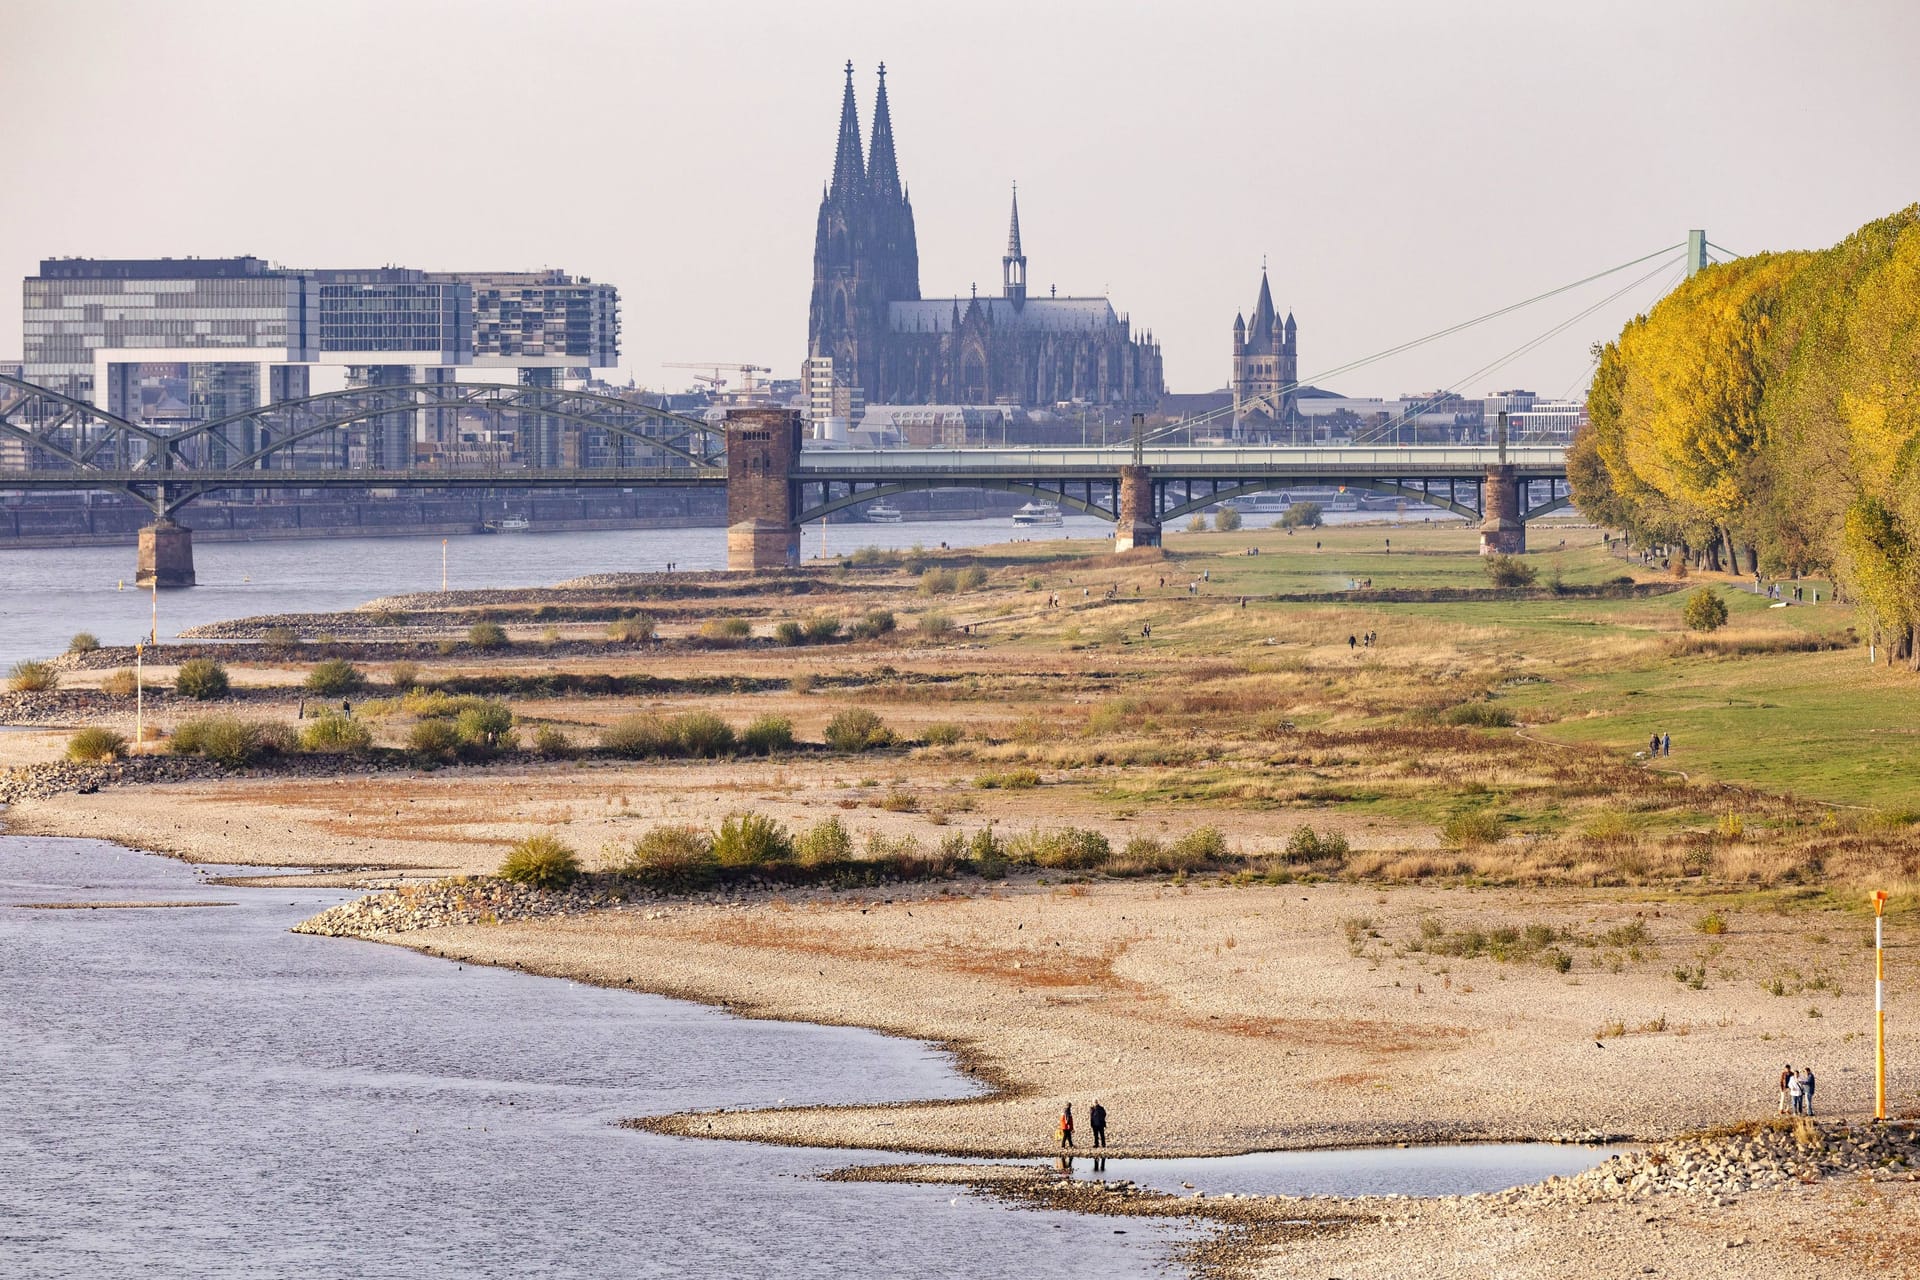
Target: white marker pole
{"x":443,"y":564}
{"x":1879,"y":1007}
{"x":139,"y":698}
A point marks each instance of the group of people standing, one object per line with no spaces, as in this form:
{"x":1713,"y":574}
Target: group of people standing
{"x":1660,"y":744}
{"x":1096,"y":1121}
{"x":1796,"y":1091}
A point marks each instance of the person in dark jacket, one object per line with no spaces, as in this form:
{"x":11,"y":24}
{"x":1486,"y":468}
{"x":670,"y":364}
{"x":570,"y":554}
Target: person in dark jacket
{"x":1097,"y":1117}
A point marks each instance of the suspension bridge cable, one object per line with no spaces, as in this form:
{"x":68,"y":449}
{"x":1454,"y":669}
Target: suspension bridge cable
{"x":1406,"y":415}
{"x":1415,"y":342}
{"x":1722,"y":248}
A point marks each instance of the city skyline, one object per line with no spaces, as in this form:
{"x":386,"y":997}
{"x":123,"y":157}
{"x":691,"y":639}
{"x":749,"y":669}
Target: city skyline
{"x":1400,"y":169}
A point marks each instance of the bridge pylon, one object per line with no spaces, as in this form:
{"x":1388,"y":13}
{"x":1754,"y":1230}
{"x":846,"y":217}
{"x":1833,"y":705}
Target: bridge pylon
{"x":1137,"y":526}
{"x":762,"y":446}
{"x":1502,"y":531}
{"x":165,"y":556}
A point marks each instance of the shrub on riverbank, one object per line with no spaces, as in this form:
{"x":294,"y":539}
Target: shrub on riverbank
{"x":541,"y":861}
{"x":487,"y":636}
{"x":700,"y":734}
{"x":1509,"y":571}
{"x":434,"y":740}
{"x":96,"y":745}
{"x":1061,"y":848}
{"x":201,"y":679}
{"x":83,"y":642}
{"x":725,"y":632}
{"x":403,"y":675}
{"x":703,"y":735}
{"x":230,"y":741}
{"x":675,"y":857}
{"x":120,"y":684}
{"x":485,"y":728}
{"x":751,"y":840}
{"x":552,"y":742}
{"x":876,"y":623}
{"x":635,"y":630}
{"x":29,"y":676}
{"x":334,"y":677}
{"x":766,"y":735}
{"x":1705,"y":610}
{"x":857,"y":729}
{"x":334,"y":733}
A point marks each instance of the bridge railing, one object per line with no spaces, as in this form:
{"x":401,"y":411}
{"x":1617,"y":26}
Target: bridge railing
{"x":1402,"y":459}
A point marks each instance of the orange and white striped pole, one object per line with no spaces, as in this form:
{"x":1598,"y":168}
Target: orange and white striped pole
{"x":1879,"y":1007}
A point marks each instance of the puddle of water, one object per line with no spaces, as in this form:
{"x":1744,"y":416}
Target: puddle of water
{"x":1465,"y":1169}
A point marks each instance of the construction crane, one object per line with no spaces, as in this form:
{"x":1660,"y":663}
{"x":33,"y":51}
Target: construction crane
{"x":748,"y":384}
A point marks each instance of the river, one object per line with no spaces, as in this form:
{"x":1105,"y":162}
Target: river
{"x":48,"y":594}
{"x":194,"y":1091}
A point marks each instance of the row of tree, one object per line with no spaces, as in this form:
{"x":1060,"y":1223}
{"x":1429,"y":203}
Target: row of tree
{"x":1765,"y":418}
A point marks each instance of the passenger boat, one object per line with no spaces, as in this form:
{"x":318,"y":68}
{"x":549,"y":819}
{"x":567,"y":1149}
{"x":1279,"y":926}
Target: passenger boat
{"x":1038,"y":514}
{"x":882,"y":512}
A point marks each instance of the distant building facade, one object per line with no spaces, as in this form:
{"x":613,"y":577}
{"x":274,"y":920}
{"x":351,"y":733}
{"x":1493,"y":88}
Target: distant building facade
{"x":869,"y":330}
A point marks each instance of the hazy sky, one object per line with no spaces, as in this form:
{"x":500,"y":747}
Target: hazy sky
{"x":1403,"y":166}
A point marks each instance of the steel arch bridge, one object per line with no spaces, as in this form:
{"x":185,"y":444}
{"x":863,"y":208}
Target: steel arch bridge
{"x":357,"y":438}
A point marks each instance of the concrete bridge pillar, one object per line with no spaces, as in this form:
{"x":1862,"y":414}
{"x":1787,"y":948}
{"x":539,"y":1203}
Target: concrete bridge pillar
{"x":166,"y":555}
{"x":762,"y":446}
{"x":1137,"y":527}
{"x":1502,"y":531}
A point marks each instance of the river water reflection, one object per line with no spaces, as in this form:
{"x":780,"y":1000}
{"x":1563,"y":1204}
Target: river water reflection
{"x":195,"y":1091}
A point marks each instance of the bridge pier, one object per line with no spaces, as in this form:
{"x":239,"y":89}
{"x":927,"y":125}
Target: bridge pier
{"x":166,"y":555}
{"x":762,"y":446}
{"x":1502,"y":531}
{"x":1136,"y":527}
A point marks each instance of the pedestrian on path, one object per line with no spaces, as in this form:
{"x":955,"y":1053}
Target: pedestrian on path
{"x":1653,"y":745}
{"x":1795,"y":1093}
{"x":1066,"y":1126}
{"x":1097,"y":1117}
{"x":1806,"y":1093}
{"x":1666,"y":744}
{"x":1786,"y":1097}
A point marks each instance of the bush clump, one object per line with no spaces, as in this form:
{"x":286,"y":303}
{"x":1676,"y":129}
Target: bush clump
{"x":1226,"y":519}
{"x":638,"y":629}
{"x":751,"y":840}
{"x":30,"y":676}
{"x":404,"y":675}
{"x":1473,"y":827}
{"x":766,"y":735}
{"x":485,"y":728}
{"x":83,"y":642}
{"x":703,"y":735}
{"x":1480,"y":715}
{"x":120,"y":684}
{"x":202,"y":679}
{"x":935,"y":623}
{"x":857,"y":729}
{"x":1061,"y":848}
{"x":96,"y":745}
{"x":1308,"y":845}
{"x":230,"y":741}
{"x":279,"y":637}
{"x":639,"y":737}
{"x":1509,"y":571}
{"x":541,"y":861}
{"x":333,"y":677}
{"x":335,"y":733}
{"x":1705,"y":610}
{"x":434,"y":740}
{"x":973,"y":577}
{"x":725,"y":631}
{"x":825,"y":842}
{"x":1303,"y":515}
{"x":1011,"y":780}
{"x":788,"y":632}
{"x":822,"y":627}
{"x":876,"y":623}
{"x":487,"y":635}
{"x":674,"y":857}
{"x":943,"y":734}
{"x":939,"y":582}
{"x":552,"y":742}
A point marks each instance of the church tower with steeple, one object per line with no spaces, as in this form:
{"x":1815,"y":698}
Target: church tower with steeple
{"x":1266,"y":365}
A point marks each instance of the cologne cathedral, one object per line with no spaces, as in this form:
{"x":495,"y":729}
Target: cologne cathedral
{"x":889,"y":345}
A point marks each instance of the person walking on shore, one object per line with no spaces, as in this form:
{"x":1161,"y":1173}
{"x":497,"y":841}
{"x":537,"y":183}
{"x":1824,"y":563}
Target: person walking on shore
{"x":1653,"y":745}
{"x":1794,"y":1093}
{"x":1786,"y":1074}
{"x":1066,"y":1126}
{"x":1097,"y":1117}
{"x":1806,"y":1094}
{"x":1666,"y":744}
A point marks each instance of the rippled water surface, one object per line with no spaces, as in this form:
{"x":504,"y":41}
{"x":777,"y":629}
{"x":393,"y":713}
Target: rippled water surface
{"x":195,"y":1091}
{"x":48,"y":594}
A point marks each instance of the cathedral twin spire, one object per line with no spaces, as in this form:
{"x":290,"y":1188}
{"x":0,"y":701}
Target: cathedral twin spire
{"x":877,"y":172}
